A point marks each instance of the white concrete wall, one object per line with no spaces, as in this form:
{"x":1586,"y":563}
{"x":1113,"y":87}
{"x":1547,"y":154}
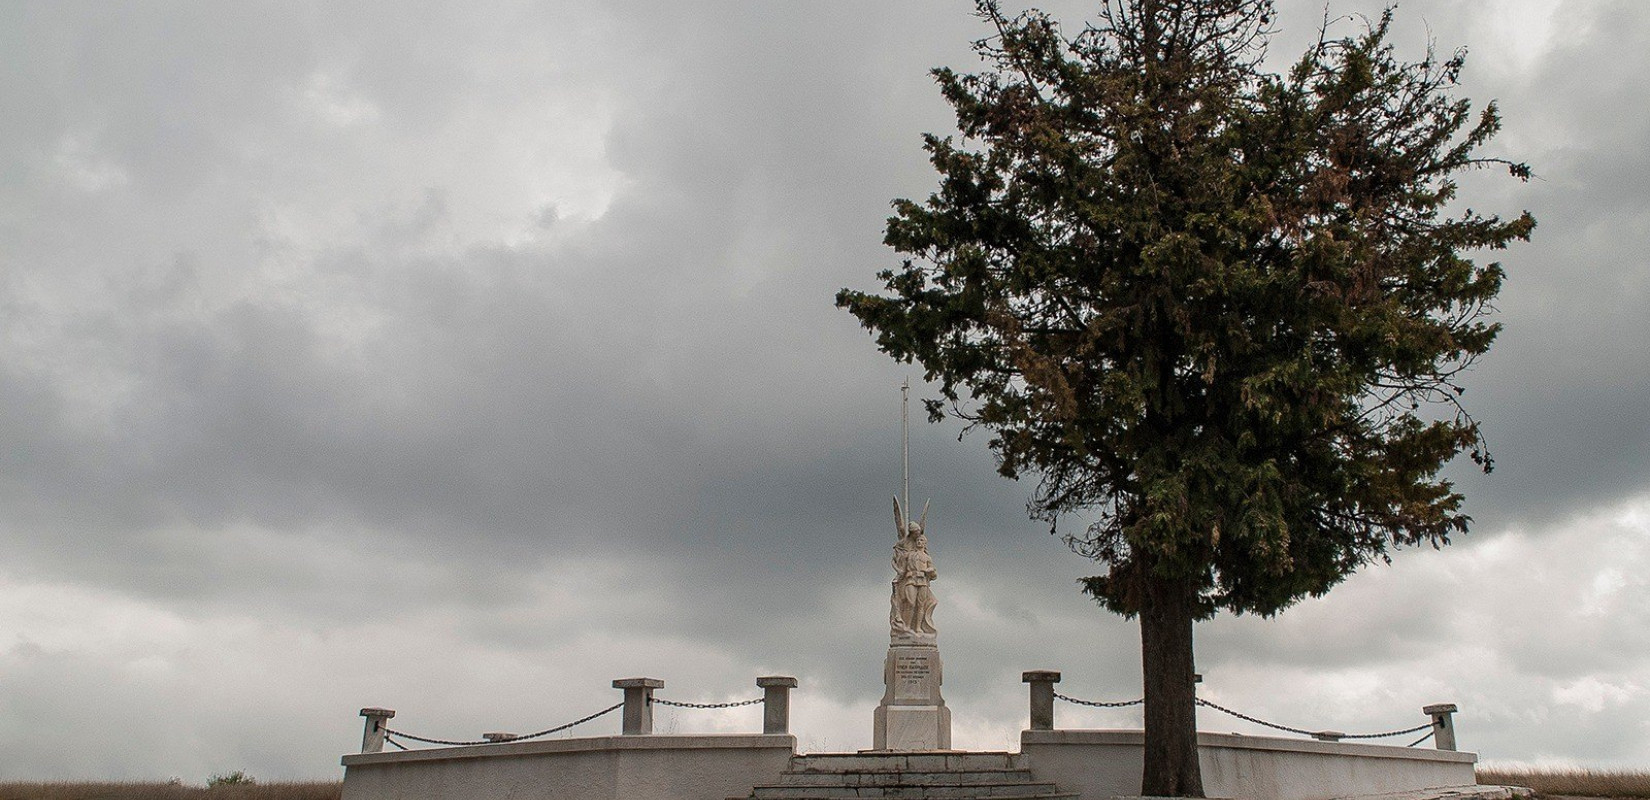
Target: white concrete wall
{"x":1107,"y":763}
{"x":652,"y":767}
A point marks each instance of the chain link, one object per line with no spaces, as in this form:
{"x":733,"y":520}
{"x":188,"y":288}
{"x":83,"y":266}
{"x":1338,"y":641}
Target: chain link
{"x":430,"y":741}
{"x":398,"y":745}
{"x":545,"y":732}
{"x":1098,"y":704}
{"x":1285,"y":728}
{"x":1423,"y":738}
{"x":663,"y":702}
{"x":1274,"y":726}
{"x":1404,"y":732}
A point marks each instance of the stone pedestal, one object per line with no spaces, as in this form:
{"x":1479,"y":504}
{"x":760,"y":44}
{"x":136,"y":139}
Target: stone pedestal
{"x":912,"y":715}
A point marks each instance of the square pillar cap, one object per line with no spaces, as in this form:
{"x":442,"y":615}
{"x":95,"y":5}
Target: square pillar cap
{"x":377,"y":712}
{"x":776,"y":680}
{"x":1040,"y":676}
{"x":1441,"y":708}
{"x":638,"y":683}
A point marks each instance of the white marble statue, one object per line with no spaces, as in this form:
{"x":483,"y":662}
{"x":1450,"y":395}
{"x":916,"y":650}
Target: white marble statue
{"x":912,"y":613}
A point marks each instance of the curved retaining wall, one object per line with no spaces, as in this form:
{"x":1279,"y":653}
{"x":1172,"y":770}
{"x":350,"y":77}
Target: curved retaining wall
{"x":713,"y":767}
{"x":1107,"y":763}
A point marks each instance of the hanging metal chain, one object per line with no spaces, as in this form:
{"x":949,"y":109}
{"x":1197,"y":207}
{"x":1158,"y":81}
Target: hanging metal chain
{"x":1404,"y":732}
{"x":559,"y":728}
{"x":1098,"y":704}
{"x":1423,"y":738}
{"x":431,"y":741}
{"x":398,"y":745}
{"x":1285,"y":728}
{"x":1274,"y":726}
{"x":545,"y":732}
{"x":663,"y":702}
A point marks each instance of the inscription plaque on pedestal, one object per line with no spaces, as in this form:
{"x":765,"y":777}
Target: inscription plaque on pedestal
{"x":912,"y":715}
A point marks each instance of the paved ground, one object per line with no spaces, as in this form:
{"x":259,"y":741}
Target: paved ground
{"x":1456,"y":793}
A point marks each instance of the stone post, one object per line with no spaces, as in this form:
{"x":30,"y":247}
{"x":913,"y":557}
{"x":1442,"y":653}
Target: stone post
{"x":638,"y":704}
{"x":1329,"y":736}
{"x":776,"y":702}
{"x":378,"y":720}
{"x":1042,"y":697}
{"x":499,"y":736}
{"x":1443,"y":725}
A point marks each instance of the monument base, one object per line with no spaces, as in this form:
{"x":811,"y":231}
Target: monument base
{"x":906,"y":728}
{"x":912,"y":715}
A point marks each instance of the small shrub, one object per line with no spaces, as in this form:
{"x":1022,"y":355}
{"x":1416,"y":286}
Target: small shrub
{"x":236,"y":778}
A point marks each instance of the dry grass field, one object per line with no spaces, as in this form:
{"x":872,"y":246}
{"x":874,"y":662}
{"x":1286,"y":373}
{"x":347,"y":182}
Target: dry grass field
{"x":1559,"y":783}
{"x":170,"y":791}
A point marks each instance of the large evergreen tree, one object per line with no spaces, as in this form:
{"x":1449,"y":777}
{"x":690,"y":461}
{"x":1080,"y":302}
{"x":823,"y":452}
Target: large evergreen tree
{"x":1220,"y":313}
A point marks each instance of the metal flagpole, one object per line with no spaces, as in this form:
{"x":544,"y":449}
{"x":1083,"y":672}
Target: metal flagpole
{"x":905,"y":442}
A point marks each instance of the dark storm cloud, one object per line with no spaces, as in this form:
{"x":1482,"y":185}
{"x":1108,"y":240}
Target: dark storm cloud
{"x":1559,"y":395}
{"x":554,"y":380}
{"x":498,"y":391}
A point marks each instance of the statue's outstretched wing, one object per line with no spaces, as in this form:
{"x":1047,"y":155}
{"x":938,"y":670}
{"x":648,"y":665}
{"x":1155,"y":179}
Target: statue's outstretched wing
{"x":922,"y":522}
{"x":899,"y":522}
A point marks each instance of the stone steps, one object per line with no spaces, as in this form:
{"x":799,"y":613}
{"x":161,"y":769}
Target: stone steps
{"x":932,"y":791}
{"x":908,"y":776}
{"x":860,"y":778}
{"x":906,"y":762}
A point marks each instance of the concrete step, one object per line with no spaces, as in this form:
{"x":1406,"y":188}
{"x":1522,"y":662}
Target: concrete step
{"x":904,"y":762}
{"x":912,"y":791}
{"x":890,"y":778}
{"x":908,"y":776}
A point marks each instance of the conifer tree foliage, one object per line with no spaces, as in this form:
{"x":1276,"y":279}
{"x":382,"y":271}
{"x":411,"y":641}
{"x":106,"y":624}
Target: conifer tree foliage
{"x":1220,"y":313}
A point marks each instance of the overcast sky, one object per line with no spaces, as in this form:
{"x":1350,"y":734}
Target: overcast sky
{"x":460,"y":361}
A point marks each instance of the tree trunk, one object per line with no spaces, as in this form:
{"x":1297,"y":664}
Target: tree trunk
{"x":1171,"y":768}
